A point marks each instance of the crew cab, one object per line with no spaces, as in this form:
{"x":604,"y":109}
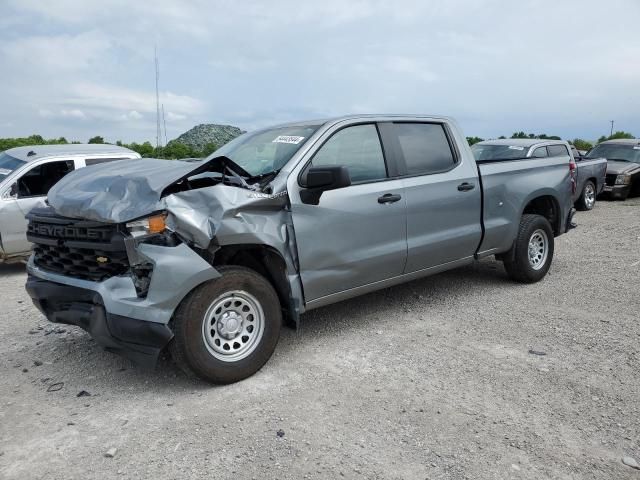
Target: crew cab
{"x":623,"y":166}
{"x":209,"y":258}
{"x":589,"y":173}
{"x":26,"y":176}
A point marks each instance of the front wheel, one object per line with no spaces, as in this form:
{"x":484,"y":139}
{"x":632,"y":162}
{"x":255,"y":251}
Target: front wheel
{"x":529,"y":259}
{"x":587,"y":199}
{"x":226,"y":329}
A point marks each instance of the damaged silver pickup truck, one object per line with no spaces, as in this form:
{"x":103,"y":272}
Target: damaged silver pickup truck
{"x":210,"y":258}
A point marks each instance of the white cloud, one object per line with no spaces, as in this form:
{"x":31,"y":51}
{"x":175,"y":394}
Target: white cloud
{"x":73,"y":113}
{"x":175,"y":117}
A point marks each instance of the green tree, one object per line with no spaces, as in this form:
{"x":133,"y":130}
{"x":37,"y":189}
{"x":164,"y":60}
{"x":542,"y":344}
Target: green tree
{"x":96,"y":139}
{"x":177,"y":150}
{"x":208,"y":149}
{"x":581,"y":144}
{"x":474,"y":140}
{"x":616,"y":136}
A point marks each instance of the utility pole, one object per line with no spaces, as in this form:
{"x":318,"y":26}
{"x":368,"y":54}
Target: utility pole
{"x":164,"y":120}
{"x":158,"y":129}
{"x":611,"y":134}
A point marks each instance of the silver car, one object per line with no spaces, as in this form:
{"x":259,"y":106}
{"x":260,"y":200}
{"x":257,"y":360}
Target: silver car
{"x":26,"y":176}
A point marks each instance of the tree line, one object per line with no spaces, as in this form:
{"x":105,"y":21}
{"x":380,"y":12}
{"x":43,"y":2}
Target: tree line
{"x":579,"y":143}
{"x":173,"y":149}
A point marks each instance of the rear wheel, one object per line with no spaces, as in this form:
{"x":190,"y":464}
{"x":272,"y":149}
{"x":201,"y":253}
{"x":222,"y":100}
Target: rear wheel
{"x":587,"y":199}
{"x":226,"y":329}
{"x":531,"y":255}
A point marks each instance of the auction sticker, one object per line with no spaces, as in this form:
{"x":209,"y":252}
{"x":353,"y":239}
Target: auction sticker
{"x":288,"y":139}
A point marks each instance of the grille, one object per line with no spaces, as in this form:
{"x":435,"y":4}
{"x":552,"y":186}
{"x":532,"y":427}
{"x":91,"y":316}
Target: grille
{"x":610,"y":180}
{"x":83,"y":263}
{"x":76,"y":248}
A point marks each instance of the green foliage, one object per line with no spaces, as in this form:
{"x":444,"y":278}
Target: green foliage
{"x":616,"y":136}
{"x":541,"y":136}
{"x":96,"y":139}
{"x":581,"y":144}
{"x":474,"y":140}
{"x":7,"y":143}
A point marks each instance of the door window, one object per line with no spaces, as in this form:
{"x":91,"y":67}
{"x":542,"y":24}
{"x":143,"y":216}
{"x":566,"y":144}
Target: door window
{"x":425,"y":148}
{"x":358,"y":148}
{"x":38,"y":181}
{"x":557,"y":150}
{"x":540,"y":152}
{"x":95,"y":161}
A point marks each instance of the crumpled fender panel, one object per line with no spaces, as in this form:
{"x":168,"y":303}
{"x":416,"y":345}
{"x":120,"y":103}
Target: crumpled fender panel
{"x":224,"y":215}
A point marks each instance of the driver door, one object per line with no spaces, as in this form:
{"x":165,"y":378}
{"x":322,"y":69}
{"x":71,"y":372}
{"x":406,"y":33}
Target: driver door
{"x":356,"y":235}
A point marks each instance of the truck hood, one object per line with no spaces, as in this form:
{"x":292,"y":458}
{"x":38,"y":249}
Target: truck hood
{"x":615,"y":167}
{"x":120,"y":191}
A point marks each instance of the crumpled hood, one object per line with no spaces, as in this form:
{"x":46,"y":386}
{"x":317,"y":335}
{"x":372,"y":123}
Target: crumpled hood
{"x":120,"y":191}
{"x":615,"y":167}
{"x":116,"y":191}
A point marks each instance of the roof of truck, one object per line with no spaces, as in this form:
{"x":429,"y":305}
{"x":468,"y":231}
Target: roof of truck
{"x":625,"y":141}
{"x":72,"y":149}
{"x":518,"y":142}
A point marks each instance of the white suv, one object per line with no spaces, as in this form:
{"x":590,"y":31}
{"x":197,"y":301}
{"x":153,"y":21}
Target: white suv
{"x":27,"y":174}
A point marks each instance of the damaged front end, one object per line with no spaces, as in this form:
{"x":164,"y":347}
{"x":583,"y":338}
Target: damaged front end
{"x":121,"y":246}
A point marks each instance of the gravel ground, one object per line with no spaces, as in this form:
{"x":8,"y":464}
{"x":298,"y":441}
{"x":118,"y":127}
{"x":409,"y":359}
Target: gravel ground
{"x":432,"y":379}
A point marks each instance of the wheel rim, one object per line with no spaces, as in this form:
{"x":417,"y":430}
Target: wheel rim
{"x":233,"y":326}
{"x":589,"y":195}
{"x":538,"y":249}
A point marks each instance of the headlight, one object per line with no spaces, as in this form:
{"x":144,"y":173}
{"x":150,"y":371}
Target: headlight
{"x":623,"y":179}
{"x":147,"y":226}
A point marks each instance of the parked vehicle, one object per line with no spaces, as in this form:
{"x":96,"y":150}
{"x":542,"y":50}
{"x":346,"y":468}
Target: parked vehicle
{"x":589,"y":176}
{"x":207,"y":258}
{"x":623,"y":166}
{"x":26,"y":176}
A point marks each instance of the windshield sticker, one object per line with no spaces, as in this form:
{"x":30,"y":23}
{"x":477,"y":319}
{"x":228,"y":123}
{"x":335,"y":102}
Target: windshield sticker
{"x":4,"y":172}
{"x":288,"y":139}
{"x":636,"y":147}
{"x":513,"y":147}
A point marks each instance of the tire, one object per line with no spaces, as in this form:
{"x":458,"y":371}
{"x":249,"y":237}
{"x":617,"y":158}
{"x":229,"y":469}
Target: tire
{"x":226,"y":329}
{"x":526,"y":266}
{"x":587,"y":199}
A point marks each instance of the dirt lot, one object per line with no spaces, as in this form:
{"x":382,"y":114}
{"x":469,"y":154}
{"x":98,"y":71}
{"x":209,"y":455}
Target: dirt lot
{"x":433,"y":379}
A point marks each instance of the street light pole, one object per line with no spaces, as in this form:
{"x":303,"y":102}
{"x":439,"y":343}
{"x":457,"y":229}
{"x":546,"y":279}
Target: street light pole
{"x":611,"y":134}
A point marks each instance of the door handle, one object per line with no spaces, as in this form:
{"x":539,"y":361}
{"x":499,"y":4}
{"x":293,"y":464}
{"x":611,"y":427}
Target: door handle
{"x":389,"y":198}
{"x":466,"y":186}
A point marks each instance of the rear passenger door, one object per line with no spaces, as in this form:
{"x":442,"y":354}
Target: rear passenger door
{"x":443,"y":194}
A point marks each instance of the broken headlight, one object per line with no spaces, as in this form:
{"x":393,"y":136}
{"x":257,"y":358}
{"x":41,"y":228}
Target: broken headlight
{"x":147,"y":226}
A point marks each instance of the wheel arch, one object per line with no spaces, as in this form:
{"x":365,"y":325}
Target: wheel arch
{"x":266,"y":261}
{"x":548,"y":206}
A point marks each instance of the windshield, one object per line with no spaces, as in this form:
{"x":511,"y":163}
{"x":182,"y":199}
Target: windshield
{"x":8,"y":164}
{"x":498,"y":152}
{"x":266,"y":151}
{"x":616,"y":151}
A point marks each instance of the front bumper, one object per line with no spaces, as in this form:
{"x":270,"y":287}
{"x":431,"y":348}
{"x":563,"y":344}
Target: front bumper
{"x":111,"y":310}
{"x":617,"y":191}
{"x":138,"y":340}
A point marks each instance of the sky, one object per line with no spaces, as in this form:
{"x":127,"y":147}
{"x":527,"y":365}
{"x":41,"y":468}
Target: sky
{"x":82,"y":68}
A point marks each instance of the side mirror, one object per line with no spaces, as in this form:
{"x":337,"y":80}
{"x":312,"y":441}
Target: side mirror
{"x":13,"y":191}
{"x":322,"y":178}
